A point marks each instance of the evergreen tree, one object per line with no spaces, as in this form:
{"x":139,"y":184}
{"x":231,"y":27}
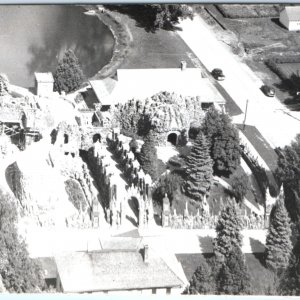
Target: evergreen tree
{"x":202,"y":281}
{"x":166,"y":15}
{"x":148,"y":156}
{"x":18,"y":271}
{"x":234,"y":278}
{"x":68,"y":75}
{"x":228,"y":231}
{"x":278,"y":242}
{"x":4,"y":85}
{"x":239,"y":186}
{"x":198,"y":170}
{"x":224,"y":141}
{"x":290,"y":279}
{"x":288,"y":172}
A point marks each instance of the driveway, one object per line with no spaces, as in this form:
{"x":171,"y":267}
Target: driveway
{"x":278,"y":126}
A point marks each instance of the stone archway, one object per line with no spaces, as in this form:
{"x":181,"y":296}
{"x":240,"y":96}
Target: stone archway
{"x":96,"y":137}
{"x":173,"y":138}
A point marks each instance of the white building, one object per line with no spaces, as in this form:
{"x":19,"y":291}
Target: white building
{"x":44,"y":84}
{"x":290,"y":18}
{"x":143,"y":83}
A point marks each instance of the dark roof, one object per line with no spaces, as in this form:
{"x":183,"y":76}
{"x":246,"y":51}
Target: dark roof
{"x":113,"y":270}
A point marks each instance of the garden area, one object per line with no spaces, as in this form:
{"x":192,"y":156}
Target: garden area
{"x":204,"y":170}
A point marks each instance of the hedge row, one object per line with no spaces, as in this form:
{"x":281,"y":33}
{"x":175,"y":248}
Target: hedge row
{"x":274,"y":65}
{"x":240,"y":11}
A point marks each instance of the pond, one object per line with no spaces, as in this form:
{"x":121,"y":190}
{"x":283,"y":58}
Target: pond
{"x":34,"y":37}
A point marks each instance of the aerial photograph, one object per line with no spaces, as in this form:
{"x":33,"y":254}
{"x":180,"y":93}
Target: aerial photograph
{"x":150,"y":149}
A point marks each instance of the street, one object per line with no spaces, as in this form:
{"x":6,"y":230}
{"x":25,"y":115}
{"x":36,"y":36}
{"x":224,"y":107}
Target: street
{"x":278,"y":126}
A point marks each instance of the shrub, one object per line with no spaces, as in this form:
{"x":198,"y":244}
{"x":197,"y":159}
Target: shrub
{"x":224,"y":141}
{"x":239,"y":186}
{"x":202,"y":281}
{"x":20,"y":274}
{"x":167,"y":184}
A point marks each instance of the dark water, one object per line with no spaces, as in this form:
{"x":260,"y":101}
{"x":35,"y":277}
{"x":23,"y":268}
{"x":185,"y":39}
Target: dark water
{"x":34,"y":37}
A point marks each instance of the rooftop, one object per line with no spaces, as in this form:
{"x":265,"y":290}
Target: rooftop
{"x":103,"y":89}
{"x":293,"y":12}
{"x":110,"y":270}
{"x":144,"y":83}
{"x":44,"y":77}
{"x":8,"y":115}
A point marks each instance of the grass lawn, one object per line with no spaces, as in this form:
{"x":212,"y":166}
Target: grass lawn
{"x":290,"y":68}
{"x":159,"y":49}
{"x":253,"y":194}
{"x":238,"y":11}
{"x":261,"y":278}
{"x":261,"y":145}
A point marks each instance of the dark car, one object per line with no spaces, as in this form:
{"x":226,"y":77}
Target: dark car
{"x":268,"y":90}
{"x":218,"y":74}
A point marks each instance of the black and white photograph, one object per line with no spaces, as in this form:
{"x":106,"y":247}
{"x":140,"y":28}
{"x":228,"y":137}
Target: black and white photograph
{"x":150,"y":149}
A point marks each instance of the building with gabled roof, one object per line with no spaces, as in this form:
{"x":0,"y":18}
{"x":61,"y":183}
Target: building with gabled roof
{"x":290,"y":18}
{"x":116,"y":270}
{"x":144,"y":83}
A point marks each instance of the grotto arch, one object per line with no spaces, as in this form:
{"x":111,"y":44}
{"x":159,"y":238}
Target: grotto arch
{"x":173,"y":138}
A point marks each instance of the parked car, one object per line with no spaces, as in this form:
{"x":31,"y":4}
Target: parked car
{"x":218,"y":74}
{"x":268,"y":90}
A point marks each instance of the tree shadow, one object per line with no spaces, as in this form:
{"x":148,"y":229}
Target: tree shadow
{"x":132,"y":220}
{"x":258,"y":249}
{"x":133,"y":204}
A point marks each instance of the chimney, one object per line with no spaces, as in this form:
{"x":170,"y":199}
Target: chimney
{"x":183,"y":65}
{"x":146,"y":254}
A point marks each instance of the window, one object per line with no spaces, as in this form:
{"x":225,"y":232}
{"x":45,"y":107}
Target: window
{"x":153,"y":291}
{"x":168,"y":291}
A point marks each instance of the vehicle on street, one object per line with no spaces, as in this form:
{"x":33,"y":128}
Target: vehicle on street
{"x":268,"y":90}
{"x":218,"y":74}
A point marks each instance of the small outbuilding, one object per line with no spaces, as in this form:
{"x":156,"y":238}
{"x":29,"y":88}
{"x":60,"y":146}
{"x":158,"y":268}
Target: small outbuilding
{"x":44,"y":84}
{"x":290,"y":18}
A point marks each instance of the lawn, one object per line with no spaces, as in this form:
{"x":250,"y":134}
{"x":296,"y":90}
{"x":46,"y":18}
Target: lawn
{"x":238,"y":11}
{"x":261,"y":278}
{"x":261,"y":145}
{"x":290,"y":69}
{"x":158,"y":49}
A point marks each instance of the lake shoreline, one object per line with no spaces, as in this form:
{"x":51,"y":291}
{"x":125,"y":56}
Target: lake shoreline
{"x":121,"y":45}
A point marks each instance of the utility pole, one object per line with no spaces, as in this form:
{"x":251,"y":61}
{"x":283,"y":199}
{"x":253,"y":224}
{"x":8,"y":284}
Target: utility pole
{"x":245,"y":114}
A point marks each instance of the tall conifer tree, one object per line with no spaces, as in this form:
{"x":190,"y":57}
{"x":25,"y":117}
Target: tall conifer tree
{"x":278,"y":242}
{"x":199,"y":172}
{"x":228,"y":231}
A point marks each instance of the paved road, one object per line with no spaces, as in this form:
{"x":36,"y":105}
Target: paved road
{"x":271,"y":118}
